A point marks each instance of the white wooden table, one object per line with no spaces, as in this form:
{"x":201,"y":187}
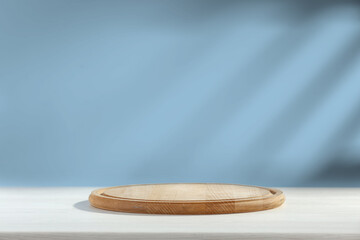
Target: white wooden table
{"x":64,"y":213}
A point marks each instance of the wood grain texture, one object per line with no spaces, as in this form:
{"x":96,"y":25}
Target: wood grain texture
{"x":65,"y":213}
{"x":186,"y":198}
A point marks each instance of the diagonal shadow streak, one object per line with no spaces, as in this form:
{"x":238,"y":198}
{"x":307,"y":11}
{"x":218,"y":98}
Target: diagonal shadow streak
{"x":336,"y":142}
{"x":233,"y":95}
{"x":348,"y":130}
{"x":287,"y":124}
{"x":343,"y":135}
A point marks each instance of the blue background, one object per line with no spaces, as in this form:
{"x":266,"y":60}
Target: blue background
{"x":124,"y":92}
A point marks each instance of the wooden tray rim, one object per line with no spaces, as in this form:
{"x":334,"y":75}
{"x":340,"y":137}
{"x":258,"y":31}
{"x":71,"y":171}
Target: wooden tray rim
{"x":275,"y":193}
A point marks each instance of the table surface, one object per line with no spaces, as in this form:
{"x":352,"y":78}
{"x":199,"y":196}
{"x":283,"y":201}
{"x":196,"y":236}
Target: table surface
{"x":64,"y":213}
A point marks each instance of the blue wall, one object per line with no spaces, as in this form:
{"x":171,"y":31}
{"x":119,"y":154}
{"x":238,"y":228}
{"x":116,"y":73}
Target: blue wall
{"x":123,"y":92}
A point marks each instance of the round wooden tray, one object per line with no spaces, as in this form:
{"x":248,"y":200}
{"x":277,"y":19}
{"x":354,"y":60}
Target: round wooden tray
{"x":186,"y":198}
